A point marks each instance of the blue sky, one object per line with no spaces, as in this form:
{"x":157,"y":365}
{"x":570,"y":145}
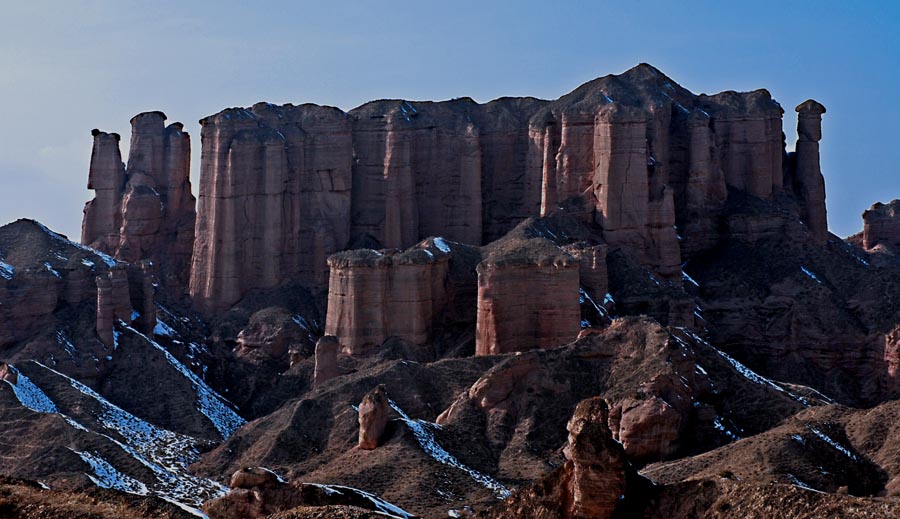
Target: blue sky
{"x":70,"y":66}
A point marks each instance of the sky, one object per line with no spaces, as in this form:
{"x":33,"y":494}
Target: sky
{"x":69,"y":66}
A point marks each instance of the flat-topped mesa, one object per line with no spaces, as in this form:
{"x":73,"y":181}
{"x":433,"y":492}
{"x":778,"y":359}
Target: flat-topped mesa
{"x":806,"y":174}
{"x":274,"y":199}
{"x":144,"y":211}
{"x":527,"y":297}
{"x":881,"y":227}
{"x":375,"y":295}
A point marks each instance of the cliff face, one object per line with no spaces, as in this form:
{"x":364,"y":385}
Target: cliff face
{"x":651,"y":163}
{"x":274,"y":199}
{"x":144,"y":211}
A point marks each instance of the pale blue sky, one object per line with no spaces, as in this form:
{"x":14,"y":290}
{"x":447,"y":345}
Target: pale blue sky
{"x":69,"y":66}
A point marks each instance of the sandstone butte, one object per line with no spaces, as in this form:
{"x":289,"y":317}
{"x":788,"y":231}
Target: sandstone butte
{"x":284,"y":189}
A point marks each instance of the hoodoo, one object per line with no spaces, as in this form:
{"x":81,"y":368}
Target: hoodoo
{"x":144,"y":211}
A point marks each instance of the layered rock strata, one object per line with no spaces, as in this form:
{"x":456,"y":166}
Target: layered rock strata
{"x":144,"y":211}
{"x":527,"y":297}
{"x":374,"y":295}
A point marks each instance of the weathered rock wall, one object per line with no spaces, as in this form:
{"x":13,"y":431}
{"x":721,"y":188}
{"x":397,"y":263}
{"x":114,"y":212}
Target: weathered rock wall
{"x":274,"y":199}
{"x":282,"y":188}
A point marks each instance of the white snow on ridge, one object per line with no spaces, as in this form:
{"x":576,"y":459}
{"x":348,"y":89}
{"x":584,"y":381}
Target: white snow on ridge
{"x":383,"y":506}
{"x":840,"y":448}
{"x":746,"y":372}
{"x":799,"y":484}
{"x":689,"y":279}
{"x":64,"y":341}
{"x":106,"y":476}
{"x":106,"y":258}
{"x":164,"y":329}
{"x":6,"y":270}
{"x":167,"y":454}
{"x":30,"y":395}
{"x":441,"y":244}
{"x":431,"y":447}
{"x":209,"y":403}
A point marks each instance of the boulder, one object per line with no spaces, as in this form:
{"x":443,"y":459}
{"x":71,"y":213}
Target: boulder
{"x":373,"y":418}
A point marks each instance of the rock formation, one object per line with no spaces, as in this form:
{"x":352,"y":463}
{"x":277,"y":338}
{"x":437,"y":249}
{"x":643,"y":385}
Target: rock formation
{"x":41,"y":271}
{"x":595,"y":462}
{"x":274,"y":199}
{"x":641,"y":157}
{"x":374,"y":295}
{"x":881,"y":227}
{"x":144,"y":211}
{"x":373,"y":418}
{"x":808,"y":183}
{"x":327,"y":349}
{"x":527,"y":297}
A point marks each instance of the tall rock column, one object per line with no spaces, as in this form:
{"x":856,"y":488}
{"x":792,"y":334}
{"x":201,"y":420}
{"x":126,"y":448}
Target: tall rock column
{"x":809,"y":184}
{"x":106,"y":176}
{"x":595,"y":463}
{"x":144,"y":211}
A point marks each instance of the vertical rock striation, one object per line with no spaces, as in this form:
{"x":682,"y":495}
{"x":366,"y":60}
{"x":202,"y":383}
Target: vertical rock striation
{"x":144,"y":211}
{"x":274,"y":199}
{"x":650,"y":163}
{"x":527,"y":297}
{"x":374,"y":295}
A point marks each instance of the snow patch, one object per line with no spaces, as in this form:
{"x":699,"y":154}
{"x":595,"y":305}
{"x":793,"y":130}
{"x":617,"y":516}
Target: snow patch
{"x":209,"y":403}
{"x":441,"y":244}
{"x":689,"y":279}
{"x":30,"y":395}
{"x":51,"y":269}
{"x":64,"y":341}
{"x":746,"y":372}
{"x":6,"y":270}
{"x":811,"y":275}
{"x":423,"y":434}
{"x":56,"y":236}
{"x":840,"y":448}
{"x":163,"y":329}
{"x":380,"y":504}
{"x":106,"y":476}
